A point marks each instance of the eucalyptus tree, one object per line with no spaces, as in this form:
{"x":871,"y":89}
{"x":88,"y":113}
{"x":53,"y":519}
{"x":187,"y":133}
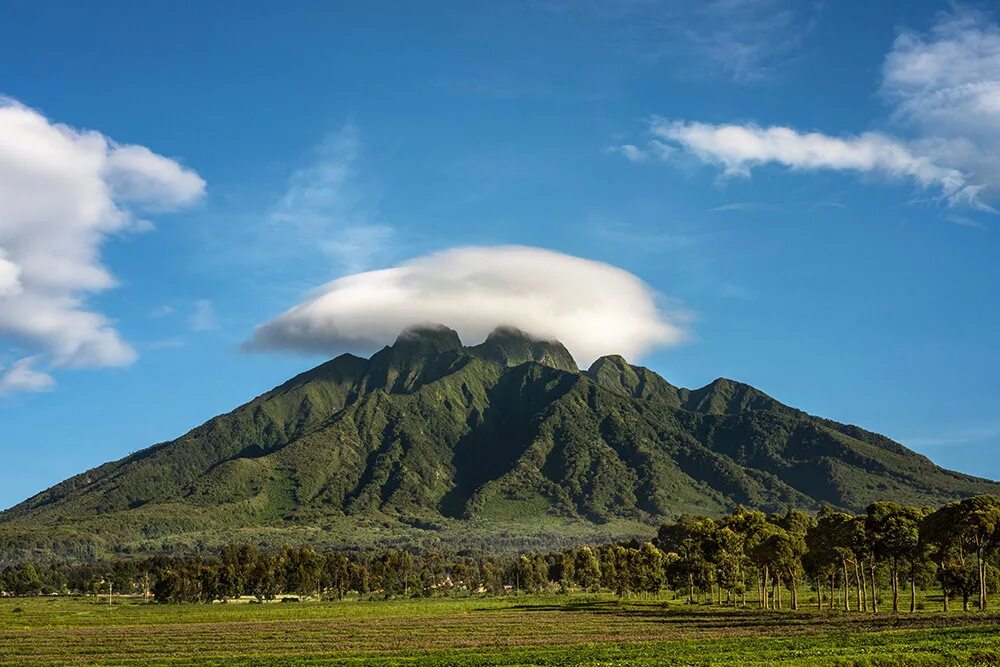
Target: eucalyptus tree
{"x":835,"y":534}
{"x":955,"y":533}
{"x":586,"y":569}
{"x":725,"y":551}
{"x":648,"y":568}
{"x":894,"y":533}
{"x":688,"y":538}
{"x":750,"y":525}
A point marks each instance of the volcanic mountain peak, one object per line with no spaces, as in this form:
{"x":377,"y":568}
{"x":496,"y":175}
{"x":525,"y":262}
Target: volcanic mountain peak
{"x":430,"y":441}
{"x":512,"y":347}
{"x":428,"y":337}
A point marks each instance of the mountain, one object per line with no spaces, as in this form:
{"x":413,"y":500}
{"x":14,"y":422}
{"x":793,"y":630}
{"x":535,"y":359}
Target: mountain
{"x":505,"y":444}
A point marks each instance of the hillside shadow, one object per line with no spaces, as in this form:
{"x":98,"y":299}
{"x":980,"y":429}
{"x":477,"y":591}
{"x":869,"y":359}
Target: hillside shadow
{"x":502,"y":433}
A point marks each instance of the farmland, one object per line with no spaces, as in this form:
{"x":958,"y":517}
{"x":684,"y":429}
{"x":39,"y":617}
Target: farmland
{"x":508,"y":630}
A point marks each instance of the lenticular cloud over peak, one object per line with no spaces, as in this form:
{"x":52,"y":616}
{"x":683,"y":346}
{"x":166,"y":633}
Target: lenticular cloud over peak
{"x":593,"y":308}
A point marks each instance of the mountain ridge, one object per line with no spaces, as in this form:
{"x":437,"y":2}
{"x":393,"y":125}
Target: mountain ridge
{"x":430,"y":441}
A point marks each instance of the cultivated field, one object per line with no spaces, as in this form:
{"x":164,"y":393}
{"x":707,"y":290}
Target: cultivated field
{"x":512,"y":630}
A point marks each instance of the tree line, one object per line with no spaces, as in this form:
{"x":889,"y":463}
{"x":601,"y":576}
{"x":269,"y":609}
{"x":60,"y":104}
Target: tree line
{"x":846,"y":560}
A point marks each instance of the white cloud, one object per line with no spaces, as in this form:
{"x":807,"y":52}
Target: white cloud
{"x":62,"y":193}
{"x":203,"y":318}
{"x":10,"y":273}
{"x":653,"y":150}
{"x":162,"y":311}
{"x":22,"y":377}
{"x":739,"y":148}
{"x":748,"y":40}
{"x":743,"y":206}
{"x":944,"y":90}
{"x":591,"y":307}
{"x":964,"y":221}
{"x":946,"y":84}
{"x":326,"y":208}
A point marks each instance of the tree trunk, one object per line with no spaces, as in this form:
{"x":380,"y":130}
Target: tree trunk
{"x":690,"y":588}
{"x":857,"y":581}
{"x":982,"y":580}
{"x":965,"y":601}
{"x":913,"y":587}
{"x":847,"y":589}
{"x":864,"y":589}
{"x":764,"y":588}
{"x":777,"y":591}
{"x":833,"y":597}
{"x":874,"y":570}
{"x":895,"y":589}
{"x":819,"y":594}
{"x":795,"y":595}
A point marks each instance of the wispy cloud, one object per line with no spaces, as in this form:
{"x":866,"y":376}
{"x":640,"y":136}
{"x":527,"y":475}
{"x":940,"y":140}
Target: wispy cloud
{"x":737,"y":149}
{"x":944,"y":88}
{"x":744,"y":206}
{"x":324,"y":206}
{"x":160,"y":312}
{"x":747,"y":40}
{"x":203,"y":316}
{"x":960,"y":437}
{"x":164,"y":344}
{"x":759,"y":206}
{"x":22,"y":377}
{"x":964,"y":221}
{"x":653,"y":150}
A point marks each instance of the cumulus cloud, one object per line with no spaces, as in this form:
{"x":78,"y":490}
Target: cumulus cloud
{"x":591,"y":307}
{"x":945,"y":83}
{"x":10,"y":282}
{"x":21,"y":377}
{"x":63,"y":191}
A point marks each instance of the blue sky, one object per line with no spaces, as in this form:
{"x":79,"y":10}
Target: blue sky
{"x":806,"y":193}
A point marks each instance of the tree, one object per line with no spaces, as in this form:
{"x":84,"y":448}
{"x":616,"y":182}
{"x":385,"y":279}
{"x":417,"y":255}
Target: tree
{"x":688,"y":538}
{"x":894,"y":531}
{"x":648,"y":568}
{"x":337,"y":574}
{"x":749,"y":525}
{"x":586,"y":569}
{"x":954,"y":533}
{"x":725,"y":551}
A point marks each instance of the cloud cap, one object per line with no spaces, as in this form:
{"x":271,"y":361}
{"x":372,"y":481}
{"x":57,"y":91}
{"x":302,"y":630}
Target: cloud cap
{"x":593,"y":308}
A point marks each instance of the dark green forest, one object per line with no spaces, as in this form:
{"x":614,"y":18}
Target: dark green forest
{"x":869,"y":562}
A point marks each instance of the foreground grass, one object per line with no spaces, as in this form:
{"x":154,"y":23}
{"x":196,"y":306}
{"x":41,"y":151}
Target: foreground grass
{"x":515,"y":630}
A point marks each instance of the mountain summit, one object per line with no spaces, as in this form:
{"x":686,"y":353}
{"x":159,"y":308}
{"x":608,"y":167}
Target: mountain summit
{"x":502,"y":443}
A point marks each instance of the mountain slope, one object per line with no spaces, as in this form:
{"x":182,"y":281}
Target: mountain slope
{"x":505,"y":442}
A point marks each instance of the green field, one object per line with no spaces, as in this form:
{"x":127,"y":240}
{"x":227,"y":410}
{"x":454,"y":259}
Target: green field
{"x":511,"y":630}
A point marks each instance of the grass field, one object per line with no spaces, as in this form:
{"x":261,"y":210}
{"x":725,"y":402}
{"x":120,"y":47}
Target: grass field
{"x":513,"y":630}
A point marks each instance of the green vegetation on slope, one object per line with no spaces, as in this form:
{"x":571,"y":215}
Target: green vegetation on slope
{"x":430,"y":443}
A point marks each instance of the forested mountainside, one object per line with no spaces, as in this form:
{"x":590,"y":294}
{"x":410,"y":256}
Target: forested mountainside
{"x":505,"y":443}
